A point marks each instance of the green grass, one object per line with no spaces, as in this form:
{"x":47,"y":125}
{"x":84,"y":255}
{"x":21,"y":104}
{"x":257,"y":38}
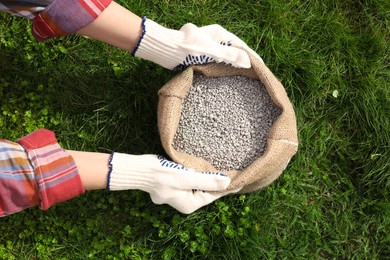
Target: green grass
{"x":332,"y":202}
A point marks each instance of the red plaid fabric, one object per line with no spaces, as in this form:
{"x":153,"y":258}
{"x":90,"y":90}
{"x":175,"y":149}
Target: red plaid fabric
{"x":25,"y":8}
{"x":55,"y":170}
{"x":66,"y":17}
{"x":18,"y":189}
{"x":36,"y":171}
{"x":53,"y":18}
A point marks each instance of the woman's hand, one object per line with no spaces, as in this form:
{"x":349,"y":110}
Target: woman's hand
{"x":166,"y":182}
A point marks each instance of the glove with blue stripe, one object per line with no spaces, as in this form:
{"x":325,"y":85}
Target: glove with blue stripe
{"x":166,"y":182}
{"x":191,"y":45}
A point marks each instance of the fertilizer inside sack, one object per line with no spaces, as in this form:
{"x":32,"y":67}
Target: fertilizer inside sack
{"x":226,"y":121}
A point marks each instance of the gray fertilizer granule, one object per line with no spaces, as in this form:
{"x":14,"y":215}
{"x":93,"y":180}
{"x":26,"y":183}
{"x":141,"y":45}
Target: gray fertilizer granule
{"x":226,"y":120}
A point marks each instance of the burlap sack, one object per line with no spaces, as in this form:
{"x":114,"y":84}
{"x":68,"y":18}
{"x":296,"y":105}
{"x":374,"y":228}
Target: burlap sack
{"x":282,"y":142}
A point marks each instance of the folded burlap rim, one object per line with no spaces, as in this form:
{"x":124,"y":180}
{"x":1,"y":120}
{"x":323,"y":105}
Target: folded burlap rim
{"x":282,"y":142}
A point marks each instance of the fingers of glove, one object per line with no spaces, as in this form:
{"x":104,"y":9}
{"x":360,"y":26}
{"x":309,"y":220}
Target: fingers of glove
{"x":234,"y":41}
{"x":217,"y":33}
{"x":187,"y":201}
{"x":241,"y":44}
{"x":208,"y":43}
{"x":171,"y":174}
{"x":194,"y":201}
{"x":189,"y":180}
{"x":223,"y":36}
{"x":189,"y":28}
{"x":232,"y":55}
{"x":221,"y":53}
{"x":198,"y":199}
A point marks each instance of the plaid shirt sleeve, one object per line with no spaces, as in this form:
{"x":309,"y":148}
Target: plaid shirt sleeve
{"x":36,"y":171}
{"x":18,"y":189}
{"x":28,"y":9}
{"x":54,"y":18}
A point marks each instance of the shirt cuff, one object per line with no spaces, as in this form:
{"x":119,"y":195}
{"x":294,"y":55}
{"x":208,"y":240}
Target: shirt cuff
{"x":56,"y":172}
{"x":62,"y":18}
{"x":18,"y":189}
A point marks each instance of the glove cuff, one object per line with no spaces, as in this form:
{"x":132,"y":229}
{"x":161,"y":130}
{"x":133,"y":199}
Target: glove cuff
{"x":128,"y":172}
{"x":159,"y":44}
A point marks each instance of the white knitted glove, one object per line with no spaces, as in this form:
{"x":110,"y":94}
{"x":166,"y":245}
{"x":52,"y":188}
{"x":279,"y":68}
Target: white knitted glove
{"x":190,"y":45}
{"x":166,"y":181}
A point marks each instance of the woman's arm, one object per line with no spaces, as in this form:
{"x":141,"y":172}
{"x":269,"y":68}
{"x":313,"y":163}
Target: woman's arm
{"x":37,"y":171}
{"x":107,"y":21}
{"x":116,"y":26}
{"x":93,"y":168}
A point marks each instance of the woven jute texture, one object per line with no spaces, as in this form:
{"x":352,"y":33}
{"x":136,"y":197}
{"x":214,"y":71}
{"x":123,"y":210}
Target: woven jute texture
{"x":282,"y":141}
